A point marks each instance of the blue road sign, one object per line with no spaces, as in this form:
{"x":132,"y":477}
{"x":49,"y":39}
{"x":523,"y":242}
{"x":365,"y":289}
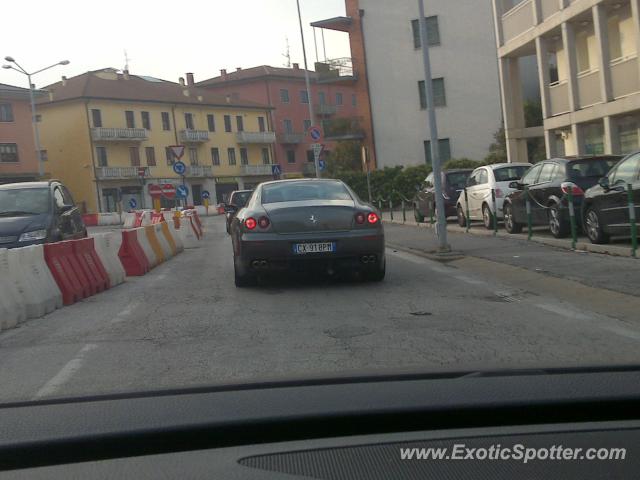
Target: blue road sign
{"x":276,"y":170}
{"x":182,"y":191}
{"x":206,"y":195}
{"x":180,"y":168}
{"x":322,"y":165}
{"x":315,"y":133}
{"x":132,"y":203}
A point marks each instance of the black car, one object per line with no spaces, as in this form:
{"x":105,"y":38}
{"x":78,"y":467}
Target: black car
{"x":453,"y":182}
{"x":549,"y":183}
{"x":605,"y":210}
{"x":237,"y":200}
{"x":38,"y":212}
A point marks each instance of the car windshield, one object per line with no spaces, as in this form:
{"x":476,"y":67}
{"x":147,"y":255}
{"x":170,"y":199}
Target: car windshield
{"x":303,"y":191}
{"x":240,"y":199}
{"x":24,"y":201}
{"x":590,"y":168}
{"x":457,"y":180}
{"x":509,"y":174}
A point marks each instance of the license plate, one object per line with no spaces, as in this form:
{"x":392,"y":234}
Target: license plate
{"x":304,"y":248}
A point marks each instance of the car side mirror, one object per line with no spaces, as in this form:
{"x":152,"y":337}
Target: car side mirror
{"x":65,"y":208}
{"x":230,"y":208}
{"x":604,"y":183}
{"x":516,"y":185}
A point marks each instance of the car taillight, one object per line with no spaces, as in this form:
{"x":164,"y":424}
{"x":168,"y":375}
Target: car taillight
{"x":263,"y":222}
{"x":499,"y":193}
{"x":373,"y":218}
{"x":575,"y":190}
{"x":360,"y":218}
{"x":250,"y":223}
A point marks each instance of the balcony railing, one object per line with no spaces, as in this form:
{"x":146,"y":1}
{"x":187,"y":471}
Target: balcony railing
{"x":549,"y":7}
{"x":102,"y":134}
{"x":517,"y":20}
{"x":262,"y":170}
{"x":256,"y":137}
{"x":291,"y":138}
{"x":336,"y":70}
{"x":624,"y":76}
{"x":559,"y":98}
{"x":343,"y":129}
{"x":589,"y":88}
{"x":199,"y":171}
{"x":194,"y":136}
{"x":117,"y":173}
{"x":324,"y":109}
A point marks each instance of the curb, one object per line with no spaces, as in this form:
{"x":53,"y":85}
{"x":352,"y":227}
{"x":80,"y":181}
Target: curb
{"x":436,"y":257}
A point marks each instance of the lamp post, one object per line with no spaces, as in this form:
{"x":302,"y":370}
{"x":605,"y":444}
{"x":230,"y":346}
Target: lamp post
{"x":13,"y":65}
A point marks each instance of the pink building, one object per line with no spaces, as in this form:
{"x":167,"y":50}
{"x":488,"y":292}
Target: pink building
{"x":285,"y":90}
{"x":18,"y":161}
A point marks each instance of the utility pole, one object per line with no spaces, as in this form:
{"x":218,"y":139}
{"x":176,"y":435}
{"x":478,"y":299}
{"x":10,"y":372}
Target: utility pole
{"x":441,"y":224}
{"x":308,"y":82}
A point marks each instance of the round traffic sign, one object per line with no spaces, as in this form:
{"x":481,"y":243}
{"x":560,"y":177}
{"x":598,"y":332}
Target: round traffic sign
{"x":315,"y":133}
{"x":206,"y":195}
{"x":133,"y":203}
{"x":168,"y":191}
{"x":155,"y":190}
{"x":179,"y":168}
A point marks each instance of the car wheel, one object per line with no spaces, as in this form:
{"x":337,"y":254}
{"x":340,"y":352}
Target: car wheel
{"x":241,"y":279}
{"x":379,"y":273}
{"x":510,"y":223}
{"x":487,"y":217}
{"x":559,"y":228}
{"x":416,"y":214}
{"x":462,"y":220}
{"x":593,"y":227}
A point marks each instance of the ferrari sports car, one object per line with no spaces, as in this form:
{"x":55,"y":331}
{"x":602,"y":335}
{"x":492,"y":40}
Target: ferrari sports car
{"x":303,"y":225}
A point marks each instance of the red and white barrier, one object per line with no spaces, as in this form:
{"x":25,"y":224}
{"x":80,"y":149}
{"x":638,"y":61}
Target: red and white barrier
{"x":131,"y":254}
{"x":12,"y":310}
{"x":107,"y":247}
{"x":129,"y":219}
{"x":175,"y":232}
{"x":149,"y":254}
{"x":167,"y":252}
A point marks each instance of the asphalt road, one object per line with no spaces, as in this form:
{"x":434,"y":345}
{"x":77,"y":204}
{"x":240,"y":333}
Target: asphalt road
{"x":185,"y":324}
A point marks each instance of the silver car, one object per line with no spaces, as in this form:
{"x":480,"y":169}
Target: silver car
{"x":307,"y":224}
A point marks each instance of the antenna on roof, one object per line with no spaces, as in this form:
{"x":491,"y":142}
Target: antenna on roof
{"x":126,"y":61}
{"x":287,"y":53}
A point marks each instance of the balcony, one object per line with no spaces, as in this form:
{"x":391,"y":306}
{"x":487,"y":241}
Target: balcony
{"x":119,"y":134}
{"x":336,"y":71}
{"x":559,"y":98}
{"x":343,"y":129}
{"x":326,"y":110}
{"x":624,"y":76}
{"x":549,"y":7}
{"x":589,"y":88}
{"x":120,"y":173}
{"x":517,"y":20}
{"x":194,"y":136}
{"x":256,"y":170}
{"x":291,"y":138}
{"x":256,"y":137}
{"x":201,"y":171}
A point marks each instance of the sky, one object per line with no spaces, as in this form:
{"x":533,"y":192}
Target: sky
{"x":162,"y":38}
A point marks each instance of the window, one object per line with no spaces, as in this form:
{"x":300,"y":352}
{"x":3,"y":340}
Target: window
{"x":354,"y":100}
{"x":193,"y":156}
{"x":304,"y":96}
{"x":284,"y":95}
{"x":169,"y":156}
{"x":439,"y":94}
{"x":627,"y":171}
{"x":188,"y":121}
{"x":150,"y":153}
{"x":433,"y":32}
{"x":311,"y":158}
{"x":482,"y":177}
{"x":261,"y":124}
{"x":6,"y":112}
{"x":547,"y":173}
{"x":322,"y":97}
{"x":101,"y":154}
{"x":166,"y":124}
{"x":531,"y":176}
{"x":266,"y":160}
{"x":339,"y":99}
{"x":211,"y":123}
{"x":146,"y":120}
{"x":444,"y":150}
{"x":8,"y":153}
{"x":291,"y":156}
{"x":288,"y":126}
{"x":231,"y":152}
{"x":215,"y":156}
{"x":244,"y":156}
{"x":96,"y":118}
{"x":134,"y":156}
{"x":240,"y":123}
{"x":227,"y":123}
{"x":130,"y":118}
{"x":58,"y":198}
{"x":306,"y":125}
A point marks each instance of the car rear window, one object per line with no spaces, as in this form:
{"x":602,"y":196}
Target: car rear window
{"x":240,"y":199}
{"x":509,"y":174}
{"x":301,"y":191}
{"x":591,"y":168}
{"x":458,"y":179}
{"x":25,"y":201}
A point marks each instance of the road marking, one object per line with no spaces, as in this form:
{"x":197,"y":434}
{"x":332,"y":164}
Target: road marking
{"x":419,"y":260}
{"x":65,"y":373}
{"x":122,"y":316}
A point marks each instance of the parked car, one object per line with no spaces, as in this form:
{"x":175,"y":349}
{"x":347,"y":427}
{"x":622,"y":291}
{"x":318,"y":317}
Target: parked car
{"x":605,"y":210}
{"x":307,"y":224}
{"x":38,"y":212}
{"x":453,"y":182}
{"x":549,"y":183}
{"x":479,"y":188}
{"x":237,"y":200}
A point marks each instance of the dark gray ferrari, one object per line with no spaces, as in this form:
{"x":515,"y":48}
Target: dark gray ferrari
{"x":306,"y":225}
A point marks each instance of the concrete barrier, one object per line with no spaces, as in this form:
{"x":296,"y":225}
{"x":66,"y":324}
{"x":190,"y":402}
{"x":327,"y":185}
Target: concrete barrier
{"x":150,"y":245}
{"x":169,"y":237}
{"x":12,"y":309}
{"x":109,"y":219}
{"x":175,"y":233}
{"x":129,"y":219}
{"x":107,"y":246}
{"x":188,"y":234}
{"x":167,"y":252}
{"x":131,"y":255}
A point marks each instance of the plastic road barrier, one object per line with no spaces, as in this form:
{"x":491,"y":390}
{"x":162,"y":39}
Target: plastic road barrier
{"x":151,"y":246}
{"x":12,"y":310}
{"x":175,"y":233}
{"x":188,"y":234}
{"x":132,"y":256}
{"x":169,"y":237}
{"x":167,"y":251}
{"x":91,"y":265}
{"x":129,"y":219}
{"x":60,"y":260}
{"x":107,"y":247}
{"x":108,"y":219}
{"x":90,"y":219}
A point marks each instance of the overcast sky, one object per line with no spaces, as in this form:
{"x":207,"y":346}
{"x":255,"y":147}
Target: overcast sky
{"x":162,"y":38}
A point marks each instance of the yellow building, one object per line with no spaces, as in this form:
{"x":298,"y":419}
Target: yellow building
{"x":108,"y":136}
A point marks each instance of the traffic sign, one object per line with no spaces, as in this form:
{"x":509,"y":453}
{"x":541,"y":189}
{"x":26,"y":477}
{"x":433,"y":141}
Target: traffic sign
{"x":182,"y":191}
{"x":315,"y":134}
{"x":178,"y":151}
{"x":206,"y":195}
{"x":180,"y":168}
{"x":155,"y":190}
{"x":142,"y":172}
{"x":133,"y":203}
{"x":322,"y":165}
{"x":276,"y":170}
{"x":168,"y":191}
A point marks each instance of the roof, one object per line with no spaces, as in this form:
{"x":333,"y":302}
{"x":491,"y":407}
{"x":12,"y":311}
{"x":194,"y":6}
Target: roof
{"x":340,"y":24}
{"x":11,"y":91}
{"x":20,"y":185}
{"x":571,"y":158}
{"x":109,"y":84}
{"x":261,"y":72}
{"x":495,"y":166}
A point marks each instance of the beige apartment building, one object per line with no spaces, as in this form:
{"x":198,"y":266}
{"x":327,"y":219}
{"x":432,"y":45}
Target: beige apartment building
{"x":588,"y":73}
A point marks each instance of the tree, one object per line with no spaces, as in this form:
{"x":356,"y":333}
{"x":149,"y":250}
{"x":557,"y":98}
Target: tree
{"x":498,"y":149}
{"x":346,"y":157}
{"x":461,"y":163}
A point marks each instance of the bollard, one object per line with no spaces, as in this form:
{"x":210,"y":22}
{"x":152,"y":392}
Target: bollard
{"x":391,"y":209}
{"x":529,"y":218}
{"x":466,"y":204}
{"x":404,"y":212}
{"x":633,"y":222}
{"x":495,"y":211}
{"x":572,"y":217}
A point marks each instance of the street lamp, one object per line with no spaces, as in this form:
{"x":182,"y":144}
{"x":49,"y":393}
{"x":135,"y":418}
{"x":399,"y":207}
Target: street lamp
{"x":13,"y":65}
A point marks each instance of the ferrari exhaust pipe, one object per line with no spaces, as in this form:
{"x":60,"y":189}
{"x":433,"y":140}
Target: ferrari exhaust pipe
{"x":365,"y":259}
{"x":255,"y":264}
{"x":263,"y":264}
